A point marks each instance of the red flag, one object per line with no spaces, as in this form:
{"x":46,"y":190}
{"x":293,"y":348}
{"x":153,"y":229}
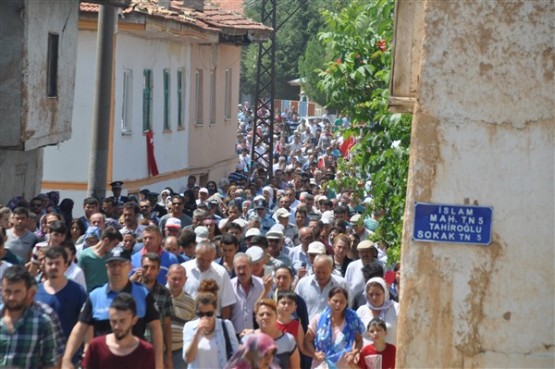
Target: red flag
{"x":152,"y":167}
{"x":346,"y":146}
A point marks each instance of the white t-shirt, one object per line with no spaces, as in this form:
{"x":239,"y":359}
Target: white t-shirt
{"x":75,"y":273}
{"x":206,"y":358}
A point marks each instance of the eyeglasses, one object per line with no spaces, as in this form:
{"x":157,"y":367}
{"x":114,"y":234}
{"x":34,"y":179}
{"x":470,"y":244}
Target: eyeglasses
{"x":208,"y":314}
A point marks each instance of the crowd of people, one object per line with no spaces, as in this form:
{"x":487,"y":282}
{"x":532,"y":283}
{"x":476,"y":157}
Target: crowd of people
{"x":268,"y":268}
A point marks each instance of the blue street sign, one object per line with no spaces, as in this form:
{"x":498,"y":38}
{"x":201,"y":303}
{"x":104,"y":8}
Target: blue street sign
{"x":452,"y":223}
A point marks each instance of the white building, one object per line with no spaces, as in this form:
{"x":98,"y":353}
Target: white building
{"x":176,"y":73}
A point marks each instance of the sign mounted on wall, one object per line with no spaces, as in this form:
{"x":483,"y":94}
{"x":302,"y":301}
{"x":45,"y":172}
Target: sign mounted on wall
{"x":452,"y":223}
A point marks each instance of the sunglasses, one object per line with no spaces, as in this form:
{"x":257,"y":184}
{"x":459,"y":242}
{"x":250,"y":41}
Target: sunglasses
{"x":208,"y":314}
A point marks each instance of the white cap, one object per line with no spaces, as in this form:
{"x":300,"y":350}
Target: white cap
{"x":275,"y":234}
{"x":256,"y":253}
{"x":253,"y":232}
{"x":202,"y":233}
{"x":355,"y":218}
{"x":173,"y":223}
{"x":316,"y":247}
{"x":282,"y":213}
{"x":327,"y":217}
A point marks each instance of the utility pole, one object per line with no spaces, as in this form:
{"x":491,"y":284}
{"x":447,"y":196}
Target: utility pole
{"x":100,"y":130}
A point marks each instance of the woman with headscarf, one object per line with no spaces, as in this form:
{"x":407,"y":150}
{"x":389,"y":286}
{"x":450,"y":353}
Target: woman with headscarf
{"x":257,"y":353}
{"x":379,"y":305}
{"x":268,"y":193}
{"x":335,"y":335}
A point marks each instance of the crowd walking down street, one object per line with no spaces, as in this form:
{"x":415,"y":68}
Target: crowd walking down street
{"x":265,"y":268}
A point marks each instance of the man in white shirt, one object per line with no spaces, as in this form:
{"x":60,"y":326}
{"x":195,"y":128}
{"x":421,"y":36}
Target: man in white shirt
{"x":314,"y":288}
{"x":247,"y":289}
{"x":353,"y":275}
{"x":203,"y":267}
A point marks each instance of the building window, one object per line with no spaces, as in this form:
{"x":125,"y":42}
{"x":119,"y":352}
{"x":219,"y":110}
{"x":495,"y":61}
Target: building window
{"x":227,"y":102}
{"x":52,"y":67}
{"x":180,"y":98}
{"x":167,"y":99}
{"x":213,"y":96}
{"x":147,"y":100}
{"x":199,"y":119}
{"x":126,"y":101}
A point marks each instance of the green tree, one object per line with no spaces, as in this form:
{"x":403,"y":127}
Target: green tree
{"x":294,"y":32}
{"x":356,"y":81}
{"x":310,"y":64}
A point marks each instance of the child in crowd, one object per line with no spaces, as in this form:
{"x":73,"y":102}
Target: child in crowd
{"x":379,"y":354}
{"x":286,"y":306}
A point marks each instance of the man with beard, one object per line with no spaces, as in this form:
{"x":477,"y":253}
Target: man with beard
{"x":27,"y":332}
{"x":64,"y":296}
{"x":120,"y":349}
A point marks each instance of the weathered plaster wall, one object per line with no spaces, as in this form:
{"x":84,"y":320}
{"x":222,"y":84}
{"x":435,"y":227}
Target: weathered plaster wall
{"x":20,"y":173}
{"x":483,"y":133}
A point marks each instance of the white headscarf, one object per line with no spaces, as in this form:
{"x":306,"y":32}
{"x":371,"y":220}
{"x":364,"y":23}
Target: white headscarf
{"x":386,"y":302}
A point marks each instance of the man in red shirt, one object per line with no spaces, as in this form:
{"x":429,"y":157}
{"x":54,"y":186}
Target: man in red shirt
{"x":120,"y":349}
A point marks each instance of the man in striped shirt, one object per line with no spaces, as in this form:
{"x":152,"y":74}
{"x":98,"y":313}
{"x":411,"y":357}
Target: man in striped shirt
{"x":183,"y":310}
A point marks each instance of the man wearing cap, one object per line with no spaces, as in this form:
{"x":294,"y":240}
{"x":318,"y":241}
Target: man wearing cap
{"x":152,"y":242}
{"x":315,"y":288}
{"x":354,"y":276}
{"x":173,"y":226}
{"x":260,"y":209}
{"x":259,"y":259}
{"x":282,"y":216}
{"x":116,"y":191}
{"x":92,"y":260}
{"x":203,"y":267}
{"x":177,"y":212}
{"x":277,"y":256}
{"x":95,"y":311}
{"x":251,"y":232}
{"x":359,"y":228}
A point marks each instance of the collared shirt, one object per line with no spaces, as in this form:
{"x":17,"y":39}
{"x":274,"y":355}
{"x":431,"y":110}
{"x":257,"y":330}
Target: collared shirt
{"x":316,"y":298}
{"x":299,"y":257}
{"x":184,"y":308}
{"x":163,"y":301}
{"x":95,"y":312}
{"x":242,"y":315}
{"x":218,"y":339}
{"x":37,"y":339}
{"x":167,"y":259}
{"x":355,"y":278}
{"x":226,"y":297}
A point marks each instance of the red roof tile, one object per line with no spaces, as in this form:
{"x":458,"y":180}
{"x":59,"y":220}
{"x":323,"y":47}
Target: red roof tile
{"x":212,"y":19}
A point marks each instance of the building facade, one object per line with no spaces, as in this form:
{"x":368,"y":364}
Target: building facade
{"x":176,"y":75}
{"x":37,"y":68}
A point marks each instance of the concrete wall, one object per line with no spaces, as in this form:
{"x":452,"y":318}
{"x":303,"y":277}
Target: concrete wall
{"x":483,"y":133}
{"x":20,"y":174}
{"x":31,"y":119}
{"x":213,"y":144}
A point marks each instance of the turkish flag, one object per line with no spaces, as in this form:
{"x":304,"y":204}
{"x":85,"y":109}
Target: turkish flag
{"x":346,"y":146}
{"x":151,"y":160}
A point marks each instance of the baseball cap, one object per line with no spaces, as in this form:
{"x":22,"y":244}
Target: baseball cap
{"x":92,"y":231}
{"x":355,"y":218}
{"x":173,"y":223}
{"x":282,"y":213}
{"x":260,"y":204}
{"x":118,"y":254}
{"x":202,"y":233}
{"x":365,"y":244}
{"x":203,"y":190}
{"x":275,"y":234}
{"x":256,"y":253}
{"x":253,"y":232}
{"x":316,"y":247}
